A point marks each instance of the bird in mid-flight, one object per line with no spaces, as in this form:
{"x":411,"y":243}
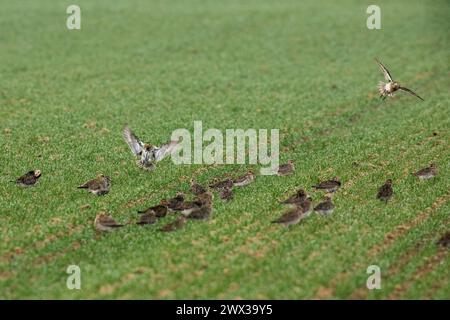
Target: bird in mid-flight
{"x":148,"y":154}
{"x":388,"y":88}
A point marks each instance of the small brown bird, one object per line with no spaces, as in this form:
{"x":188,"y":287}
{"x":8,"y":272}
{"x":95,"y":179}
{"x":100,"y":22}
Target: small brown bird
{"x":444,"y":240}
{"x":29,"y":179}
{"x":103,"y":222}
{"x":248,"y":178}
{"x":286,"y":169}
{"x":177,"y":224}
{"x":160,"y":210}
{"x":427,"y":173}
{"x":388,"y":89}
{"x":176,"y":203}
{"x":196,"y":188}
{"x":204,"y":198}
{"x":305,"y":206}
{"x":296,"y":198}
{"x":200,"y":213}
{"x":329,"y":185}
{"x":385,"y":192}
{"x":325,"y":208}
{"x":291,"y":217}
{"x":98,"y":186}
{"x":227,"y":183}
{"x":189,"y":206}
{"x":147,"y":218}
{"x":226,"y":194}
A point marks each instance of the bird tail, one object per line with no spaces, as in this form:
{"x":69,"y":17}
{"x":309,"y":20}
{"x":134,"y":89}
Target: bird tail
{"x":83,"y":186}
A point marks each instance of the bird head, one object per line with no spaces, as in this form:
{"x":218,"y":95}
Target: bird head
{"x":395,"y":85}
{"x":432,"y":165}
{"x":37,"y":173}
{"x":389,"y":182}
{"x":291,"y":161}
{"x":301,"y":192}
{"x":148,"y":146}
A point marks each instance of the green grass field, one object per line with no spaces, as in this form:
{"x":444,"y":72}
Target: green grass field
{"x":303,"y":67}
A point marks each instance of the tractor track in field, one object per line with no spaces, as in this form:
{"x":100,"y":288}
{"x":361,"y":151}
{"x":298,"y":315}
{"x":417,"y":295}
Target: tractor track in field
{"x":400,"y":263}
{"x":389,"y":240}
{"x":427,"y":267}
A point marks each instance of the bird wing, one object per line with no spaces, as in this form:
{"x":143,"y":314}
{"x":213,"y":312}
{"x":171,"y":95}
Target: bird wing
{"x":385,"y":71}
{"x":135,"y":144}
{"x":166,"y":149}
{"x":411,"y":92}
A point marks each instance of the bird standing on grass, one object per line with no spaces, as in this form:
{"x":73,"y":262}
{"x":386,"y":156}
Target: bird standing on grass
{"x":248,"y":178}
{"x":286,"y":169}
{"x":159,"y":210}
{"x":296,"y":198}
{"x":196,"y":188}
{"x":148,"y":154}
{"x":147,"y":218}
{"x":226,"y":194}
{"x":385,"y":192}
{"x":98,"y":186}
{"x":177,"y":224}
{"x":388,"y":88}
{"x":227,"y":183}
{"x":325,"y":208}
{"x":427,"y":173}
{"x":329,"y":186}
{"x":103,"y":222}
{"x":29,"y":179}
{"x":175,"y":203}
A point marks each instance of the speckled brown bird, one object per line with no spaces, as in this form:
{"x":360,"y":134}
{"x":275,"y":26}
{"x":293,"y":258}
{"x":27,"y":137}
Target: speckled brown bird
{"x":427,"y":173}
{"x":147,"y":218}
{"x":291,"y":217}
{"x":103,"y":222}
{"x":196,"y":188}
{"x":248,"y":178}
{"x":200,"y":213}
{"x":177,"y":224}
{"x":98,"y":186}
{"x":325,"y":208}
{"x":226,"y":194}
{"x":176,"y":203}
{"x":160,"y":210}
{"x":305,"y":206}
{"x":204,"y":198}
{"x":296,"y":198}
{"x":286,"y":169}
{"x":386,"y":191}
{"x":329,"y":186}
{"x":227,"y":183}
{"x":29,"y":179}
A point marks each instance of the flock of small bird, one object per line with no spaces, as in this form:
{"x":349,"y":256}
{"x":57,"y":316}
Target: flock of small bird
{"x":200,"y":206}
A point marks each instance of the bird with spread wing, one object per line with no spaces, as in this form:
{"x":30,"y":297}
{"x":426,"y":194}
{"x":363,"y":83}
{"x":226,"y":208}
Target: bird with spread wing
{"x":388,"y":88}
{"x":148,"y":154}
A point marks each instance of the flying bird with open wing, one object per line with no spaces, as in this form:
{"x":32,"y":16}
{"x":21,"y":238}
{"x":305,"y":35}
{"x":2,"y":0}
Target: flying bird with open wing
{"x":391,"y":86}
{"x":148,"y":154}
